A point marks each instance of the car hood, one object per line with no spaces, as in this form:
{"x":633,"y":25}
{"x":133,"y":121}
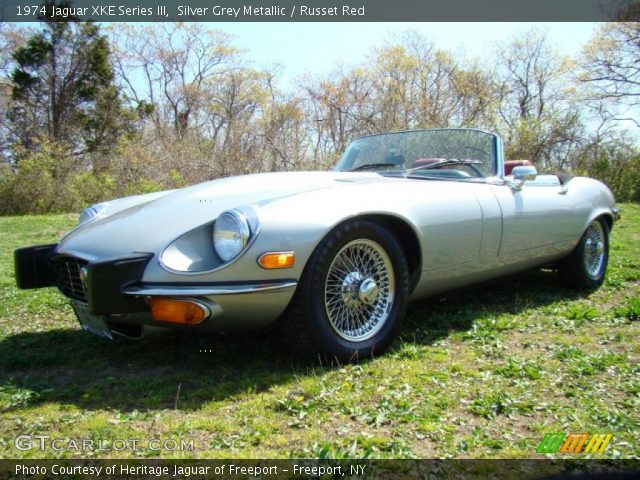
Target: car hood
{"x":151,"y":225}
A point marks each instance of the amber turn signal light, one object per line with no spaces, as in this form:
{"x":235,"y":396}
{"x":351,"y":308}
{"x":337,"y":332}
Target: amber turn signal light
{"x":176,"y":311}
{"x":271,"y":260}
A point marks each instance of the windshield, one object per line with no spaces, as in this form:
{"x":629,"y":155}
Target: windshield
{"x":454,"y":153}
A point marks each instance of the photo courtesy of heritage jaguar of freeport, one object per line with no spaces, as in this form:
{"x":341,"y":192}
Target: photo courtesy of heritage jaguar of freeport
{"x":337,"y":255}
{"x":182,"y":471}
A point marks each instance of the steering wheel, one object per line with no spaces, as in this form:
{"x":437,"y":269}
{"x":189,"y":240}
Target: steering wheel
{"x":474,"y":169}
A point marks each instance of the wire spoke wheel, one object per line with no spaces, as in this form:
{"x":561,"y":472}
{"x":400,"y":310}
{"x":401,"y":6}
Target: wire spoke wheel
{"x":586,"y":266}
{"x":352,"y":296}
{"x":359,"y":290}
{"x":594,"y":249}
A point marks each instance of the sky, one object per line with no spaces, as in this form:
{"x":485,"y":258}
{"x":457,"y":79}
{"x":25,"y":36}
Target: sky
{"x":300,"y":48}
{"x":316,"y":48}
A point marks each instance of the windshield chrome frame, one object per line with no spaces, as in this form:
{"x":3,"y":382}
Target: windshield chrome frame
{"x":498,"y":148}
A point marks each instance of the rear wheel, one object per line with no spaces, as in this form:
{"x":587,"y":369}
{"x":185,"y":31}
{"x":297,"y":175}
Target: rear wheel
{"x":352,"y":296}
{"x":587,"y":264}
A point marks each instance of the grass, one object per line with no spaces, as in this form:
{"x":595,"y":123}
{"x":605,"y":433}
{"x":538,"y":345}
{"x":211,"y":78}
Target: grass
{"x":481,"y":373}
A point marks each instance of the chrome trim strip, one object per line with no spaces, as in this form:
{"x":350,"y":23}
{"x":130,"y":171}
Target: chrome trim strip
{"x":206,"y":290}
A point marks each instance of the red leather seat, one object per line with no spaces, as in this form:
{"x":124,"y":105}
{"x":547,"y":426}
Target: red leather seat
{"x":510,"y":164}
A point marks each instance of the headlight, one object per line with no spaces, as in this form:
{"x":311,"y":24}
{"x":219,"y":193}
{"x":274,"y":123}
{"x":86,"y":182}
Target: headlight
{"x":89,"y":214}
{"x":230,"y":234}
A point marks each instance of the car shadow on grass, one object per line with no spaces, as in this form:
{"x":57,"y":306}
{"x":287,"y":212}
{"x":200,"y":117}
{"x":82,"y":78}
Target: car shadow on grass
{"x":170,"y":370}
{"x":186,"y":371}
{"x":437,"y":317}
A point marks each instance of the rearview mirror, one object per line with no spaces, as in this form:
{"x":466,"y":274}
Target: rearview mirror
{"x":523,"y":174}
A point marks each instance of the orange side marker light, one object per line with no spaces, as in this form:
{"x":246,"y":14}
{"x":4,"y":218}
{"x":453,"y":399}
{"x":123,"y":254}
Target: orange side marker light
{"x":273,"y":260}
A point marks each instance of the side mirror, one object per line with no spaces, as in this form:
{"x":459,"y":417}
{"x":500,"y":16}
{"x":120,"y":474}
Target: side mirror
{"x":523,"y":174}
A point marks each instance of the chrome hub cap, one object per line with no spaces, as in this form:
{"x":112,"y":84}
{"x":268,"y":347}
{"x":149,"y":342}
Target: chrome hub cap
{"x":359,"y":290}
{"x":350,"y":289}
{"x":594,"y":249}
{"x":368,"y":291}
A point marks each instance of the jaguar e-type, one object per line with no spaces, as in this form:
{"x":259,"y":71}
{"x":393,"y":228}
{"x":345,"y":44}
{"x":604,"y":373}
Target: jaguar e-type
{"x":333,"y":256}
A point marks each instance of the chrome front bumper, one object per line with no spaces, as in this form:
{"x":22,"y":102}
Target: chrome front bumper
{"x":205,"y":290}
{"x":231,"y":307}
{"x":112,"y":290}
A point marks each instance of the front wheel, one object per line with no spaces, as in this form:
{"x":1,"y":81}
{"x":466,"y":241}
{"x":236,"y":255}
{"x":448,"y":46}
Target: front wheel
{"x":587,"y":264}
{"x":352,"y":296}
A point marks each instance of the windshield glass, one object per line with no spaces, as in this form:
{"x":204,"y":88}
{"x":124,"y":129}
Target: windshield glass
{"x":455,"y":153}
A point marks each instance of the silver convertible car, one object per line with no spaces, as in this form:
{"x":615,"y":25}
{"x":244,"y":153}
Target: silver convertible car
{"x":334,"y":256}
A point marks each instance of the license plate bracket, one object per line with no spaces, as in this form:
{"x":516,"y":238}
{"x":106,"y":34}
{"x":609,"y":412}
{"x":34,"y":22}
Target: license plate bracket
{"x":90,"y":322}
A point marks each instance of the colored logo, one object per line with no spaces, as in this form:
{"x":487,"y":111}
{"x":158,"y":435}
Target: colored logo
{"x":574,"y":443}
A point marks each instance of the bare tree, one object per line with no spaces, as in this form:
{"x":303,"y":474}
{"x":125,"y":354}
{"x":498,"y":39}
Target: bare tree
{"x":611,"y":69}
{"x":536,"y":117}
{"x":165,"y":68}
{"x":340,"y":107}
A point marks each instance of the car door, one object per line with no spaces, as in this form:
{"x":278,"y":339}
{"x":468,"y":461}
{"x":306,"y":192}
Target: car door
{"x":449,"y":218}
{"x":537,"y":219}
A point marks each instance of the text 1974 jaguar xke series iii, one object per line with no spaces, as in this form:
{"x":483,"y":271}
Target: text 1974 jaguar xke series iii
{"x":336,"y":256}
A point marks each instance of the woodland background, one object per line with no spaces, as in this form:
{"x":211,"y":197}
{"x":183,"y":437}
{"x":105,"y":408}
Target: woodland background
{"x":91,"y":112}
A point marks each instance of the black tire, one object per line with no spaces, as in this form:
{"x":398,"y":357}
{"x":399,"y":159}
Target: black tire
{"x":586,"y":266}
{"x":309,"y":327}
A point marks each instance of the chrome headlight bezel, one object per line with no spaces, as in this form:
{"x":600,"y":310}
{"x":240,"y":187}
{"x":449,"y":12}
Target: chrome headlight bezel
{"x":231,"y":235}
{"x":194,"y":252}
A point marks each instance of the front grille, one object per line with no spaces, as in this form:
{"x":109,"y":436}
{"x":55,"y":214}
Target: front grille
{"x":68,"y":276}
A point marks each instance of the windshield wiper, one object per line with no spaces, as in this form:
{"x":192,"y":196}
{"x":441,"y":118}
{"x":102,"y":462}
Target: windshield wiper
{"x":369,"y":166}
{"x":451,"y":161}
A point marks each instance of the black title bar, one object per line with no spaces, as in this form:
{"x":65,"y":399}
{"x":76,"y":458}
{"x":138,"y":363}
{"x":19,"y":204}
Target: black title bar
{"x":347,"y":469}
{"x":326,"y":11}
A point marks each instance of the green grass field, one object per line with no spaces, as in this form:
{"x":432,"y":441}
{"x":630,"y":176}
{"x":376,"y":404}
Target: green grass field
{"x":482,"y":373}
